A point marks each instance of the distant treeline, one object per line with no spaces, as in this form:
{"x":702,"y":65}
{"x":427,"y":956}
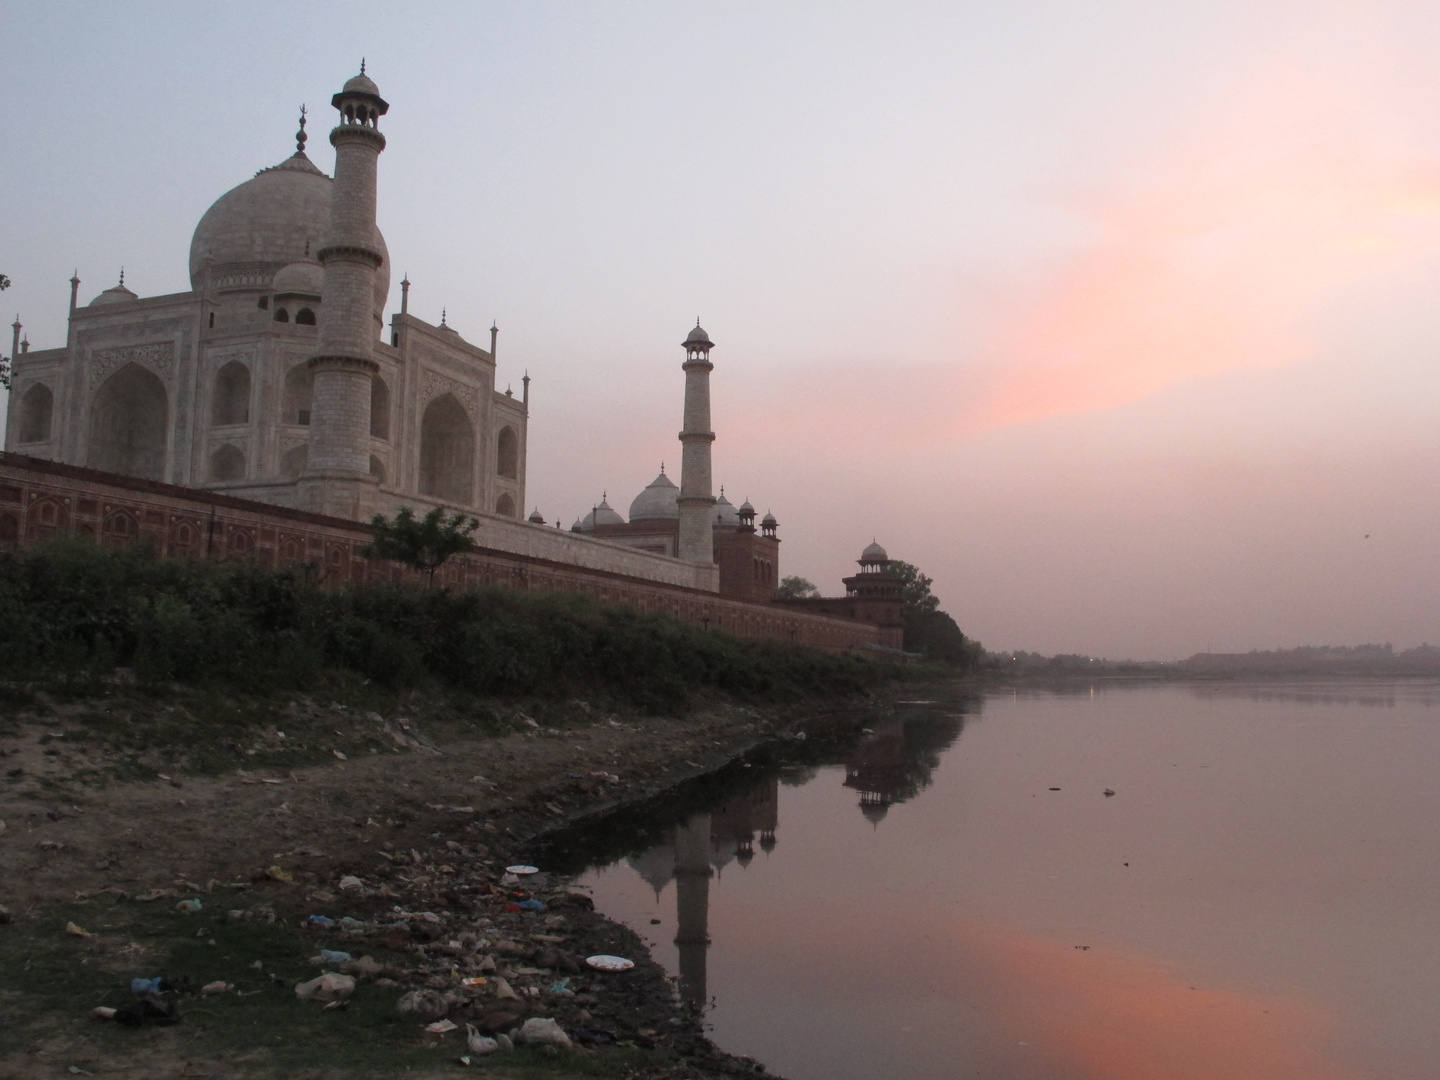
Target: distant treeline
{"x":1305,"y":660}
{"x":70,"y":610}
{"x":1321,"y":660}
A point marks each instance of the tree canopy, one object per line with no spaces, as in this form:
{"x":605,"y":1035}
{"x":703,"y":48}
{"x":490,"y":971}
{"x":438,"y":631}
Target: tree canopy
{"x":929,"y":630}
{"x":423,"y":543}
{"x":795,"y":588}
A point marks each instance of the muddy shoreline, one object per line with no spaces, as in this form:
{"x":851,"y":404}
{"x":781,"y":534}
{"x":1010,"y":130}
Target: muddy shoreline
{"x":420,"y":807}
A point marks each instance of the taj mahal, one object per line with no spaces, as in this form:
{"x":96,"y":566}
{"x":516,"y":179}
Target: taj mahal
{"x":276,"y":379}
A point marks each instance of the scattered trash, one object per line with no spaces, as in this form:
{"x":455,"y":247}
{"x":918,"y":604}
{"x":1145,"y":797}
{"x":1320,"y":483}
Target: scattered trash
{"x":605,"y":962}
{"x":504,"y":991}
{"x":189,"y":907}
{"x":350,"y":881}
{"x":426,"y":1004}
{"x":219,"y":986}
{"x":479,"y":1044}
{"x":474,"y":981}
{"x":334,"y":957}
{"x":562,"y":988}
{"x":544,"y":1031}
{"x":328,"y":987}
{"x":102,"y":1012}
{"x":1108,"y":793}
{"x":505,"y":1042}
{"x":324,"y":922}
{"x":442,"y":1027}
{"x":146,"y":987}
{"x":531,"y":905}
{"x":353,"y":926}
{"x":522,"y":870}
{"x":75,"y":931}
{"x":366,"y":965}
{"x":277,"y":874}
{"x":339,"y":755}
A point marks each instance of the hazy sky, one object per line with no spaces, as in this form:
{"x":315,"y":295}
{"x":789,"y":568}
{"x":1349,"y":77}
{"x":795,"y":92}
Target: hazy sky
{"x":1118,"y":319}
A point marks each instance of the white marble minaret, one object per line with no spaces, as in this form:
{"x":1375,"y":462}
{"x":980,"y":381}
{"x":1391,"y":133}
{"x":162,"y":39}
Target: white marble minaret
{"x":337,"y":477}
{"x":696,"y":502}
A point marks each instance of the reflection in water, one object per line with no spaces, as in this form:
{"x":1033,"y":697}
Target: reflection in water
{"x":897,"y":762}
{"x":893,"y":764}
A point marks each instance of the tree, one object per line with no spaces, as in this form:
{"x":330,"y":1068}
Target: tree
{"x":929,"y":630}
{"x":795,"y":588}
{"x":422,"y":544}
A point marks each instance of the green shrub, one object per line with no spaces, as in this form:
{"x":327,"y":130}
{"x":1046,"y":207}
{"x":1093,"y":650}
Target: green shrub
{"x":72,"y":609}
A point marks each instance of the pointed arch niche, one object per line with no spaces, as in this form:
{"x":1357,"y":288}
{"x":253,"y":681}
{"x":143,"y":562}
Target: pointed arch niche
{"x":37,"y":408}
{"x":230,"y":400}
{"x":129,"y":422}
{"x":447,"y":452}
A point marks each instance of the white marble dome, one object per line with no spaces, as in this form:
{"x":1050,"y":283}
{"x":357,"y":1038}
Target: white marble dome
{"x":276,"y":218}
{"x":873,"y":553}
{"x":657,"y":502}
{"x":725,"y":512}
{"x":604,"y":514}
{"x":303,"y":278}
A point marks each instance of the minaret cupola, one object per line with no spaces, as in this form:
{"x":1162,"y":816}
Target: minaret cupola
{"x":359,"y":102}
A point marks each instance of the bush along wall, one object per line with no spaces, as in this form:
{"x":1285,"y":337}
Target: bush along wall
{"x":70,"y":609}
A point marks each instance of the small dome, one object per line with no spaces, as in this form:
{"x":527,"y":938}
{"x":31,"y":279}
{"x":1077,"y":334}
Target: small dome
{"x":725,"y":512}
{"x":535,"y":517}
{"x":769,"y":519}
{"x":874,"y":553}
{"x":577,"y":527}
{"x":746,"y":508}
{"x":698,"y":338}
{"x":303,"y":278}
{"x":657,"y":502}
{"x":360,"y":84}
{"x":604,"y":514}
{"x":116,"y":294}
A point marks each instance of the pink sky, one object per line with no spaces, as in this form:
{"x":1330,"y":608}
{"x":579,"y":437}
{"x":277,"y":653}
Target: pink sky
{"x":1117,"y":321}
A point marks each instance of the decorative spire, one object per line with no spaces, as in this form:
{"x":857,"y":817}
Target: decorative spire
{"x":442,"y":316}
{"x":300,"y":136}
{"x":122,"y":277}
{"x":362,"y":65}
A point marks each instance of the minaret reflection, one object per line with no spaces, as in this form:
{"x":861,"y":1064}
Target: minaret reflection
{"x":691,"y":853}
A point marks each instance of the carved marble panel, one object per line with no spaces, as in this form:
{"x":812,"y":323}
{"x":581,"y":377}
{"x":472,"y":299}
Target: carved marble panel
{"x":158,"y":356}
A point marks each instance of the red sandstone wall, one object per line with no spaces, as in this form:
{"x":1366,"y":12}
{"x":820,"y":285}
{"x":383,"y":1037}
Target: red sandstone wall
{"x":40,"y":499}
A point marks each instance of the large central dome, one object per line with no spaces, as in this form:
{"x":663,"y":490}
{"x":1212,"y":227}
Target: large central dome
{"x":276,"y":218}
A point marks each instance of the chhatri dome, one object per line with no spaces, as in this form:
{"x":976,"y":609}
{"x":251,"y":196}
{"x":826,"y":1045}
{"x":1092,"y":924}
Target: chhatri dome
{"x":114,"y":295}
{"x":873,"y":553}
{"x":275,"y":219}
{"x":658,"y":501}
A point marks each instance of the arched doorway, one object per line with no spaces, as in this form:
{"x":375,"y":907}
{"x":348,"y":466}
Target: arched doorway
{"x":129,"y":421}
{"x":227,"y":463}
{"x":447,"y":452}
{"x":230,"y":400}
{"x":505,"y":507}
{"x":507,"y":454}
{"x":36,"y":409}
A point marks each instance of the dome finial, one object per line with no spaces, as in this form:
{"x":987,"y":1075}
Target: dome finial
{"x":442,"y":316}
{"x":300,"y":136}
{"x":362,"y":65}
{"x":122,"y":277}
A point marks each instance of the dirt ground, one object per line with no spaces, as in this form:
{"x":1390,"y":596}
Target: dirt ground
{"x":118,"y":807}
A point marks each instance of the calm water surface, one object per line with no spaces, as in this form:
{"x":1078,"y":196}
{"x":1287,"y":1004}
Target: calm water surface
{"x":1259,"y":899}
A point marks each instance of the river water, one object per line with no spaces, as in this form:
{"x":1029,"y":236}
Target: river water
{"x":955,"y":894}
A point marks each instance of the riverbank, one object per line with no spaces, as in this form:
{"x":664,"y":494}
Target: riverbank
{"x":402,"y":819}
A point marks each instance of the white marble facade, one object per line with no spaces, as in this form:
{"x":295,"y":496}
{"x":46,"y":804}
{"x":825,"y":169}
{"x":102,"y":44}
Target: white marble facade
{"x":212,"y":388}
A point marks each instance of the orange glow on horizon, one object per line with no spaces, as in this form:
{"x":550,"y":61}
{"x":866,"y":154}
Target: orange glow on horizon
{"x":1106,"y":1016}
